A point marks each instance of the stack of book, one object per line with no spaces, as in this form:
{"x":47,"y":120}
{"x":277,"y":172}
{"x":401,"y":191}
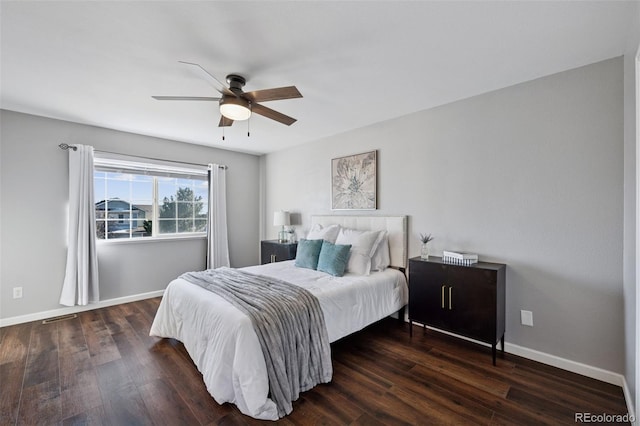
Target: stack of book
{"x":459,"y":258}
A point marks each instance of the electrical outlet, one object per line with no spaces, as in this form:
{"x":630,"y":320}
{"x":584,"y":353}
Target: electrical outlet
{"x":526,"y":318}
{"x":17,"y":292}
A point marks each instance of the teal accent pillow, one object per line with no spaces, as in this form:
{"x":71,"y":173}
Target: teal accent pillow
{"x":333,"y":258}
{"x":308,"y":253}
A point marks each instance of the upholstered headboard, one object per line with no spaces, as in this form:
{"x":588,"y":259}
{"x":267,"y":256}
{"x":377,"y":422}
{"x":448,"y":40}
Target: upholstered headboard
{"x":396,"y":226}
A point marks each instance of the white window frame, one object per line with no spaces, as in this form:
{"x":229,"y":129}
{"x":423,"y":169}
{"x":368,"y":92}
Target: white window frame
{"x":116,"y":163}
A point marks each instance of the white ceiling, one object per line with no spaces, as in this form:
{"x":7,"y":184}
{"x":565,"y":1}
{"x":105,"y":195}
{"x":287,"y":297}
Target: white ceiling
{"x":356,"y":63}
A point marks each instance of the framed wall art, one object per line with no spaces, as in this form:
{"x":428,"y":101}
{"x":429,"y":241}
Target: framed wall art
{"x":353,"y":182}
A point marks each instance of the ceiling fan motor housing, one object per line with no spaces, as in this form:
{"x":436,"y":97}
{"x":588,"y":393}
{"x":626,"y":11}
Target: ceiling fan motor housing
{"x":236,"y":83}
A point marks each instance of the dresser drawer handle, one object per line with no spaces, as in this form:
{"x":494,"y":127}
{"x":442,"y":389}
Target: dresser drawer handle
{"x":450,"y":288}
{"x":443,"y":296}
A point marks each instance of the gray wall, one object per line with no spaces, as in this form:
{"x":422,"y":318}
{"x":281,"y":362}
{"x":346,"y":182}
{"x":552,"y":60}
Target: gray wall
{"x":530,"y":175}
{"x":34,"y":195}
{"x":630,"y":212}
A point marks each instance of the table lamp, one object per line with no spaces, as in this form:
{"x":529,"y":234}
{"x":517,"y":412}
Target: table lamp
{"x":282,"y":219}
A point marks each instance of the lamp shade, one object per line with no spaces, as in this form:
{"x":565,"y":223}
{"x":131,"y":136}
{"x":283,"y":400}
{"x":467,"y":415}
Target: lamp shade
{"x":281,"y":218}
{"x":235,"y":108}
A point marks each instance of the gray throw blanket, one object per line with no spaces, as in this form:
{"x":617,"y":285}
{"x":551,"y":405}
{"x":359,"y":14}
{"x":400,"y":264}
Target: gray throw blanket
{"x":289,"y":324}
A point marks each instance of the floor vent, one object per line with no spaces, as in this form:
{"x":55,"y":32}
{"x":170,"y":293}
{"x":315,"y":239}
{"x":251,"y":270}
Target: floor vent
{"x":60,"y":318}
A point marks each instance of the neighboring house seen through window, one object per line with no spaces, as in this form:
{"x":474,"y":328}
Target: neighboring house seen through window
{"x":139,"y":200}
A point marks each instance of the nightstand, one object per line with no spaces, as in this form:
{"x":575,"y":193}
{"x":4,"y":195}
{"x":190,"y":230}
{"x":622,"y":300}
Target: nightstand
{"x":273,"y":251}
{"x":465,"y":300}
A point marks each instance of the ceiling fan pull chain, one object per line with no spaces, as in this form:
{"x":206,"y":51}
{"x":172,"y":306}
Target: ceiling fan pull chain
{"x":223,"y":133}
{"x":249,"y":126}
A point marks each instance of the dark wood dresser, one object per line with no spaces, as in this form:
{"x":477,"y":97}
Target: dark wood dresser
{"x":464,"y":300}
{"x":273,"y":251}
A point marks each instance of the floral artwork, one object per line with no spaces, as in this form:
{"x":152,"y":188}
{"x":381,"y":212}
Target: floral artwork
{"x":353,"y":182}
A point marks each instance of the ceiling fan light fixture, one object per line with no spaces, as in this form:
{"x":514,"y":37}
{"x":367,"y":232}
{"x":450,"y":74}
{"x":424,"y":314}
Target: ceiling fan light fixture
{"x":234,"y":108}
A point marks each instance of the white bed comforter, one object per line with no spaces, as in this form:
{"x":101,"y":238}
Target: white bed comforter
{"x":223,"y":345}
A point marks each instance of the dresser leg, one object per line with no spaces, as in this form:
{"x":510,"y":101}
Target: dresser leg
{"x":493,"y":352}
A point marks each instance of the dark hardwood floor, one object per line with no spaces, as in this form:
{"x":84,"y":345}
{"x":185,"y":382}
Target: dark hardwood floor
{"x":103,"y":368}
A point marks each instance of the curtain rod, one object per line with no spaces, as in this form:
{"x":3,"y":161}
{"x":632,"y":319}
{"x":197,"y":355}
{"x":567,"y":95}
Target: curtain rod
{"x":66,"y":147}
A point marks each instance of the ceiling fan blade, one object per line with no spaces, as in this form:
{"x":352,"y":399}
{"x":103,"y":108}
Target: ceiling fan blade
{"x":217,"y":84}
{"x":289,"y":92}
{"x":184,"y":98}
{"x":274,"y":115}
{"x":225,"y":122}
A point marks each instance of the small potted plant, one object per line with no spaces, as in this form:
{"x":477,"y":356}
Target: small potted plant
{"x":291,"y":235}
{"x":424,"y":249}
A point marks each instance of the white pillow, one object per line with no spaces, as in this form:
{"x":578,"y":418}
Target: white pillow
{"x":330,"y":233}
{"x":363,"y":246}
{"x":382,"y":257}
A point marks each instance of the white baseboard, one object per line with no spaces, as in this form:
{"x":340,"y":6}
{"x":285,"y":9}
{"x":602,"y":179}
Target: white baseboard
{"x":555,"y":361}
{"x":568,"y":365}
{"x":629,"y":400}
{"x":4,"y":322}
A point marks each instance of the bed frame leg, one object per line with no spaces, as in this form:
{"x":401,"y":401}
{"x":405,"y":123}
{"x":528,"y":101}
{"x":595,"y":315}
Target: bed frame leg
{"x":401,"y":315}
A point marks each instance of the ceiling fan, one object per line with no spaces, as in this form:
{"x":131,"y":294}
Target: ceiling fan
{"x":235,"y":103}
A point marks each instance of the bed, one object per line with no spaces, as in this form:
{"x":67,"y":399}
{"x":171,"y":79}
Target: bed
{"x":221,"y":339}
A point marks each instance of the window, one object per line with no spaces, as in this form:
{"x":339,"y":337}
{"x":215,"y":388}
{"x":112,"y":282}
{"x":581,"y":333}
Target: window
{"x":182,"y":205}
{"x":139,"y":200}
